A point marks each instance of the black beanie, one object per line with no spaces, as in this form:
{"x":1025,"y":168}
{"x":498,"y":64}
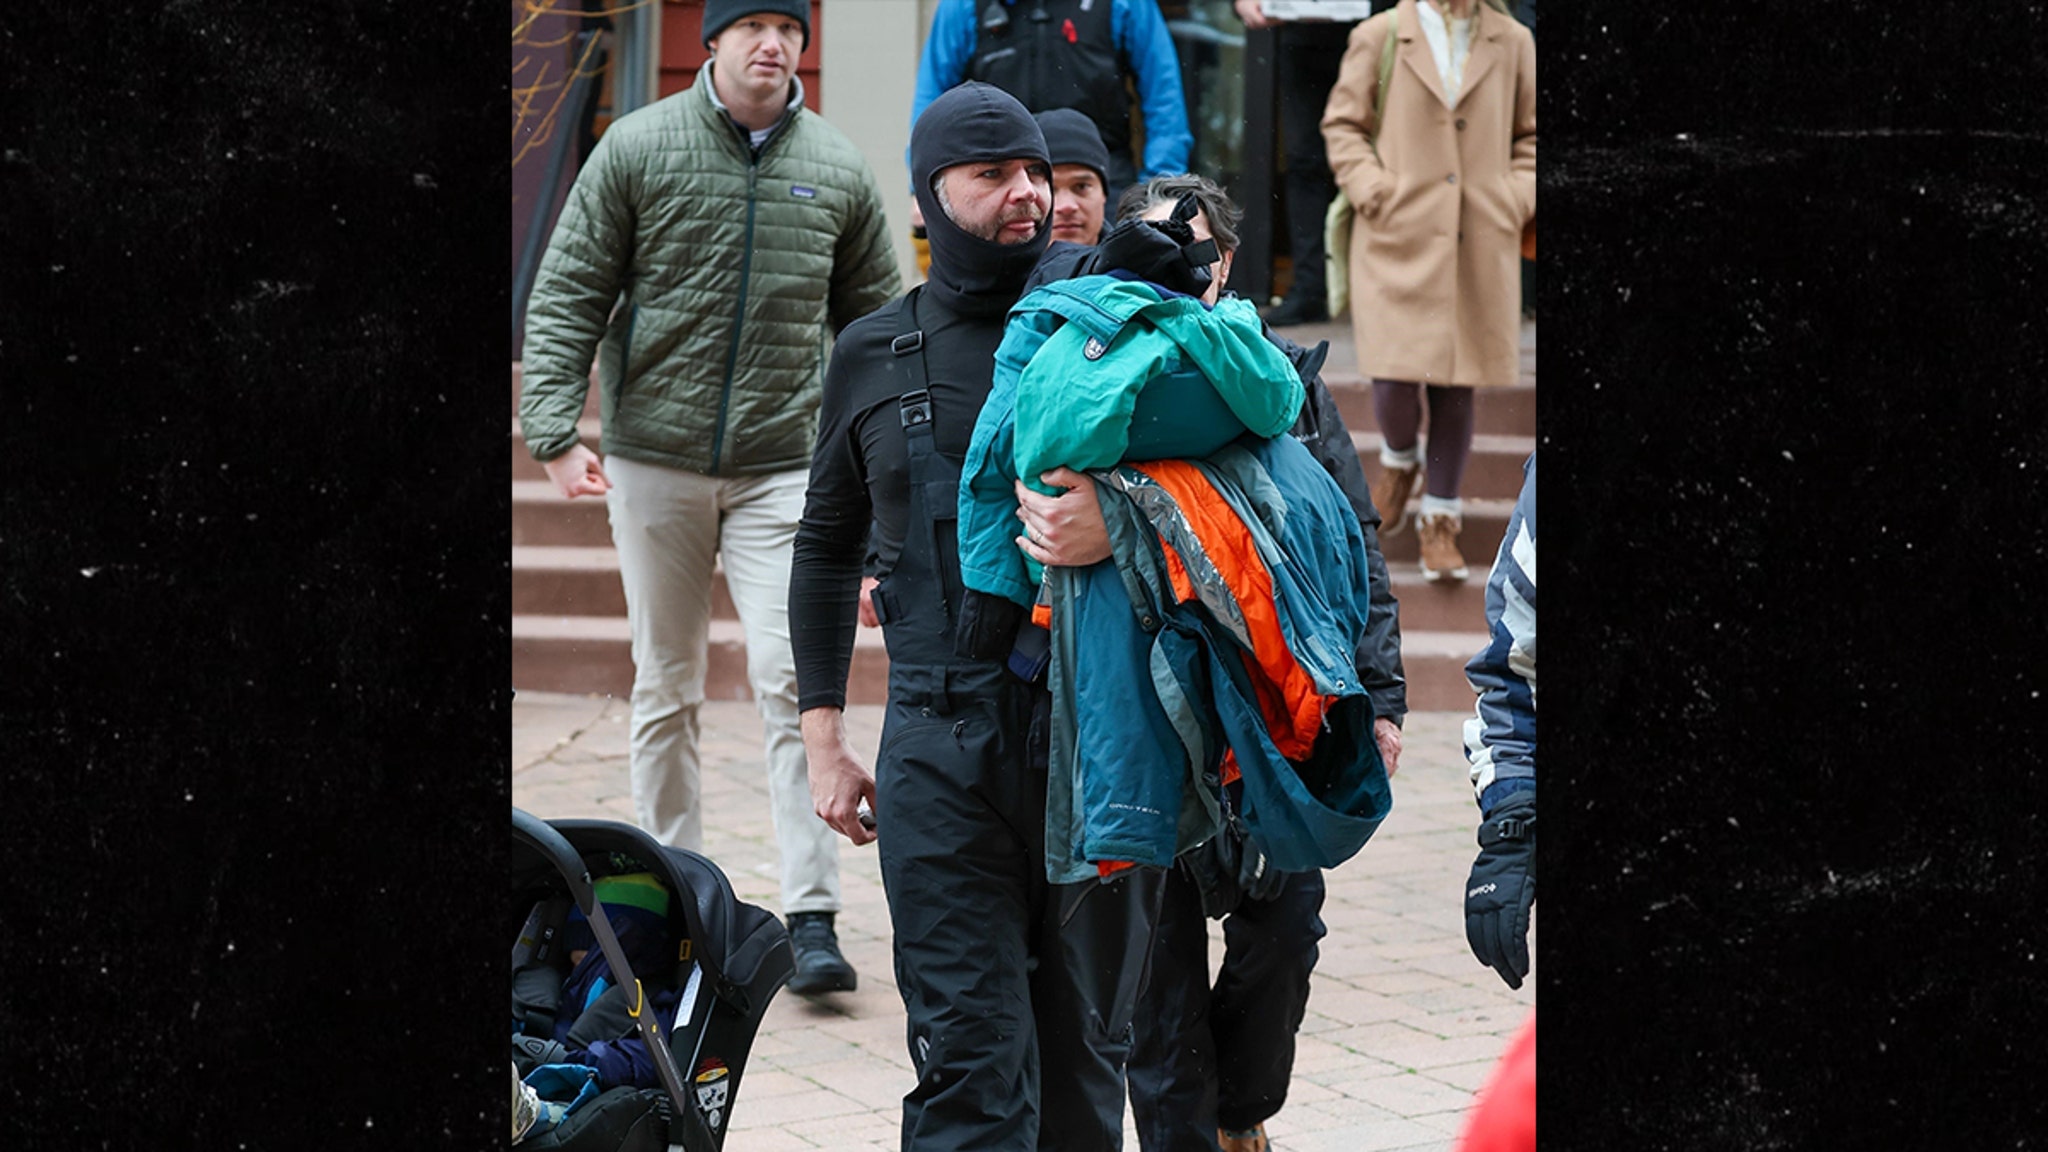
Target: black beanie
{"x":720,"y":14}
{"x":973,"y":122}
{"x":1072,"y":138}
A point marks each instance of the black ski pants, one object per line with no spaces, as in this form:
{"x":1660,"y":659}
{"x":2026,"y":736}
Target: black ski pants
{"x":1205,"y":1057}
{"x":1019,"y":992}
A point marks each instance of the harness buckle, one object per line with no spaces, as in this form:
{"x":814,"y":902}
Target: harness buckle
{"x":917,"y":406}
{"x":907,"y":343}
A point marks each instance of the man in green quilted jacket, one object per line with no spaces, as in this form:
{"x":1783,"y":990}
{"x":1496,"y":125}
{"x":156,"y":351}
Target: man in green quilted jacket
{"x":708,"y":251}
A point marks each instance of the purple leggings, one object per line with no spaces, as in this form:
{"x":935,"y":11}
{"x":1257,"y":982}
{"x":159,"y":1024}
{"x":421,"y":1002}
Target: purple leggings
{"x":1397,"y":405}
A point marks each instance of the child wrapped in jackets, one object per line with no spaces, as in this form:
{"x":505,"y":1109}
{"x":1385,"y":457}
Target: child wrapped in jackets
{"x":1219,"y":638}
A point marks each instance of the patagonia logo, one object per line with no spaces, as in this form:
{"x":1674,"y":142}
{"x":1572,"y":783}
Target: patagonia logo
{"x":800,"y":190}
{"x":1094,"y":349}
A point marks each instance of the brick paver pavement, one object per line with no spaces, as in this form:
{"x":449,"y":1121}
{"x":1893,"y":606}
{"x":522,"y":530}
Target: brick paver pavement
{"x":1403,"y":1024}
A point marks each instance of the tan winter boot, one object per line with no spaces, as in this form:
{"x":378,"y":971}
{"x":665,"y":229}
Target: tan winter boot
{"x":1390,"y":495}
{"x":1441,"y":560}
{"x":1252,"y":1139}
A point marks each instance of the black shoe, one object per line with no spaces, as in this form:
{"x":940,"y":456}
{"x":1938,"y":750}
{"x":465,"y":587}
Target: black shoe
{"x":819,"y":966}
{"x":1297,"y":310}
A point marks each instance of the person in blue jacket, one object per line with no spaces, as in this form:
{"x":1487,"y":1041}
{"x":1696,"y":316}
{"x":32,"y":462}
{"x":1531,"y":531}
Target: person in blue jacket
{"x":1069,"y":54}
{"x":1500,"y":743}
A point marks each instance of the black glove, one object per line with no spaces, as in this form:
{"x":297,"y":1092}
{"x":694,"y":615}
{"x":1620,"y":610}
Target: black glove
{"x":530,"y":1052}
{"x":1231,"y":868}
{"x":1164,"y":252}
{"x":1503,"y":887}
{"x":1255,"y":872}
{"x":1212,"y":866}
{"x":987,"y":625}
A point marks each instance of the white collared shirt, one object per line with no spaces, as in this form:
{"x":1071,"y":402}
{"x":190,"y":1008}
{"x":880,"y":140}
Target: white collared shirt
{"x":1451,"y":45}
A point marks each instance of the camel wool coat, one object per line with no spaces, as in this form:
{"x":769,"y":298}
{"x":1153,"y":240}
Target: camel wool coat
{"x":1436,"y":241}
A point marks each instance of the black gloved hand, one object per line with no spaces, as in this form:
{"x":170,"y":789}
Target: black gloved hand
{"x":530,"y":1052}
{"x":1255,"y":872}
{"x":1503,"y":887}
{"x":1212,"y":866}
{"x":987,"y":625}
{"x":1164,"y":252}
{"x":1230,"y":868}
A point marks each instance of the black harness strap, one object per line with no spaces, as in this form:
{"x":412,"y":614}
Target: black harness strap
{"x":920,"y":445}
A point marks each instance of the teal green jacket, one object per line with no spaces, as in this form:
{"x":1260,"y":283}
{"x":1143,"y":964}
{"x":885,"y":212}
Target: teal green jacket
{"x":1099,"y":370}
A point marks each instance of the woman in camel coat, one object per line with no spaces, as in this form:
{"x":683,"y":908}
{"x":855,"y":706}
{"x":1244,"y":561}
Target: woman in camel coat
{"x":1436,"y":242}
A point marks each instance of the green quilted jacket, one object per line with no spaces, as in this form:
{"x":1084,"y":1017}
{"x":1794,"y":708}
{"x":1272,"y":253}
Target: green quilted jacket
{"x":726,"y":270}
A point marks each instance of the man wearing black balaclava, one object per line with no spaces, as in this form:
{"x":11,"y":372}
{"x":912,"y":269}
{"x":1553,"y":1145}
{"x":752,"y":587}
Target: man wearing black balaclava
{"x":1019,"y":993}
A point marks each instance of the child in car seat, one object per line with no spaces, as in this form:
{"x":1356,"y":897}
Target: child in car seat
{"x":585,"y":1018}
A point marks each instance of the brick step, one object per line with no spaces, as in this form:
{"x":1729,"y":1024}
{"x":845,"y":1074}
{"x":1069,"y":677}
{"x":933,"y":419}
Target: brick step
{"x":593,"y":655}
{"x":1486,"y":521}
{"x":1492,"y":472}
{"x":1496,"y":411}
{"x":584,"y":582}
{"x":571,"y":581}
{"x":1429,"y":608}
{"x":1435,"y":666}
{"x":1503,"y":411}
{"x":543,"y":517}
{"x":1509,"y":412}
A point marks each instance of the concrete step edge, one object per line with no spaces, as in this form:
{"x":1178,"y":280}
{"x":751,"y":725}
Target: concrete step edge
{"x":1521,"y":389}
{"x":1428,"y":645}
{"x":588,"y":558}
{"x":615,"y":629}
{"x":601,"y":628}
{"x":538,"y":627}
{"x":545,"y":492}
{"x":1491,"y":443}
{"x":570,"y":556}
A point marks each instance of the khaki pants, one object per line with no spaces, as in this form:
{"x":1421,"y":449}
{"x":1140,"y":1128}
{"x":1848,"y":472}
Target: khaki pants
{"x":670,"y":526}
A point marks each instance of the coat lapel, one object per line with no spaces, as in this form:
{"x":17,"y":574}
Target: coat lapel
{"x":1415,"y":54}
{"x":1487,"y":49}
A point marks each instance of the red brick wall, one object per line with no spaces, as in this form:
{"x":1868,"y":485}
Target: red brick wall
{"x":683,"y":51}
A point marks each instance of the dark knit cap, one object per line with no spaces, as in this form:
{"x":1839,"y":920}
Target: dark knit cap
{"x":1072,"y":138}
{"x":720,"y":14}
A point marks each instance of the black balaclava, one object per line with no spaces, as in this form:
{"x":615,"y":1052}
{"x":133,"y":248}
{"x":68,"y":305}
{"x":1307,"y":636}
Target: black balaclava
{"x":973,"y":122}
